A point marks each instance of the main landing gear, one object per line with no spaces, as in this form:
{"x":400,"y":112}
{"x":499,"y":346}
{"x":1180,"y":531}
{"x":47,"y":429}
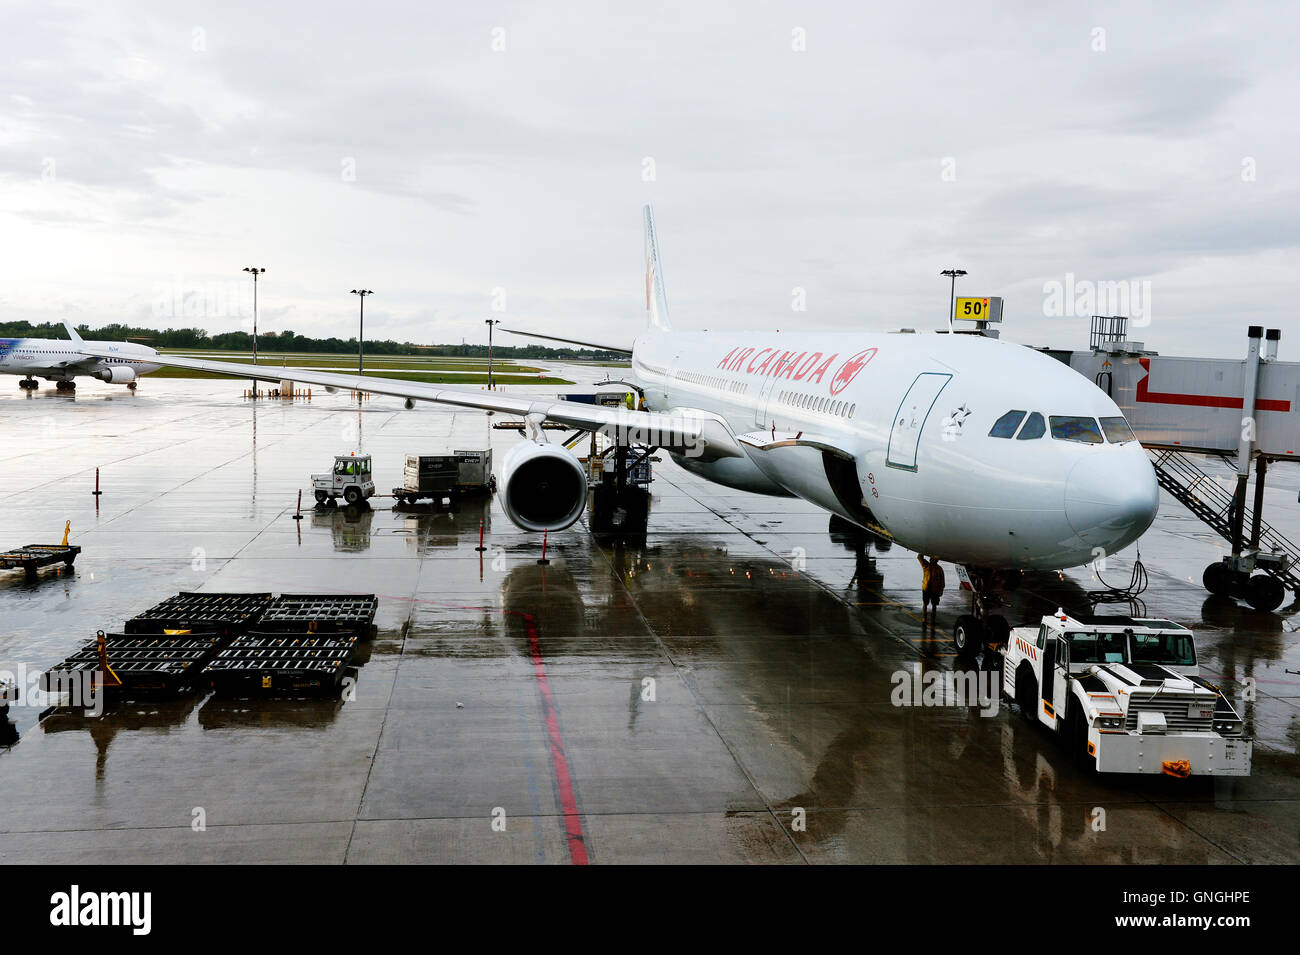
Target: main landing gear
{"x":28,"y":384}
{"x":620,"y":499}
{"x":1261,"y":591}
{"x":981,"y":628}
{"x":65,"y":386}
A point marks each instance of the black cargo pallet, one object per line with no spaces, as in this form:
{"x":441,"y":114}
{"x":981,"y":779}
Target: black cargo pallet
{"x":321,"y":613}
{"x":32,"y":557}
{"x":262,"y":670}
{"x":144,"y":664}
{"x":226,"y":613}
{"x":302,"y":644}
{"x":125,"y":646}
{"x":259,"y":640}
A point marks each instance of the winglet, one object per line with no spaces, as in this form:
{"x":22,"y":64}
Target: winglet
{"x":656,"y":302}
{"x":72,"y":332}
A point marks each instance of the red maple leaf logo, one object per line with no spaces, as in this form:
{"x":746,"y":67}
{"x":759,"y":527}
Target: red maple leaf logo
{"x":849,"y":370}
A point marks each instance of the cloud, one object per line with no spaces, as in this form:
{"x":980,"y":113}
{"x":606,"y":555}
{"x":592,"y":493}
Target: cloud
{"x":398,"y":146}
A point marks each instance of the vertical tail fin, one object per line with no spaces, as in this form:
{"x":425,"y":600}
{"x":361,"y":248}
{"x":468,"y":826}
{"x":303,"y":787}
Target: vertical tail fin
{"x":656,"y":302}
{"x":72,"y":333}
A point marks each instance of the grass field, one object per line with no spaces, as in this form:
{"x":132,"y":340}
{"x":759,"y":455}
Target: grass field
{"x":437,"y":370}
{"x":429,"y":377}
{"x":318,"y":360}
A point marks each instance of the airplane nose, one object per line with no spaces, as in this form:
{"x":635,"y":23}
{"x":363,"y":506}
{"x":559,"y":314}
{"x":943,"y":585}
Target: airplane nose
{"x":1112,"y":498}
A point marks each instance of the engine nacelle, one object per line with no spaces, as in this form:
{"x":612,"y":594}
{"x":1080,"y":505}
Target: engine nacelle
{"x":116,"y":374}
{"x":544,"y":487}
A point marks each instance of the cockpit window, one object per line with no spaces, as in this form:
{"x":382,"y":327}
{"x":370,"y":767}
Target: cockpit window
{"x":1117,"y":430}
{"x":1034,"y":428}
{"x":1006,"y":426}
{"x":1071,"y":428}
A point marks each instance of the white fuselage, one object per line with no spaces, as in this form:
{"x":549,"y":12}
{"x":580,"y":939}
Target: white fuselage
{"x":58,"y":360}
{"x":893,"y":430}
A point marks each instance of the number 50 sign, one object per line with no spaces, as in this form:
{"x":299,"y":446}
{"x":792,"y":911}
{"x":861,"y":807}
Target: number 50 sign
{"x":986,"y":309}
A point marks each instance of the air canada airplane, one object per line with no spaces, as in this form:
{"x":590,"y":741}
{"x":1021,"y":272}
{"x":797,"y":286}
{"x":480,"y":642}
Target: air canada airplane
{"x":981,"y":452}
{"x":118,"y":363}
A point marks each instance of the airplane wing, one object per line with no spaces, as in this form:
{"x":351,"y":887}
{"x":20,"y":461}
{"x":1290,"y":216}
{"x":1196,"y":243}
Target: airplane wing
{"x":698,"y":434}
{"x":58,"y":366}
{"x":623,"y":349}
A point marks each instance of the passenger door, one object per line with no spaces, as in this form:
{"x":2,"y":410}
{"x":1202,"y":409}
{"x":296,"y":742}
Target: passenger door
{"x":909,"y":420}
{"x":760,"y":408}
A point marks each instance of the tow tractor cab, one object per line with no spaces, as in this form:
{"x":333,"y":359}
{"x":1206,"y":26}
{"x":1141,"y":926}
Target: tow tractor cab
{"x":1127,"y":693}
{"x":350,"y":479}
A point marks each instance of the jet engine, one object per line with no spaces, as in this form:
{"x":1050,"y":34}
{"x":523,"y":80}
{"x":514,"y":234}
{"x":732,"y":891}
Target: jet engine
{"x":116,"y":374}
{"x":544,"y":487}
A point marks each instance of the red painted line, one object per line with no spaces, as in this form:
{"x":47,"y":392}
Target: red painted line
{"x":568,"y":802}
{"x":573,"y":833}
{"x":1200,"y":401}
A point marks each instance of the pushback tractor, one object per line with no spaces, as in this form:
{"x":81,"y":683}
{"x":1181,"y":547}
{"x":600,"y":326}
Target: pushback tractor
{"x":1126,"y":695}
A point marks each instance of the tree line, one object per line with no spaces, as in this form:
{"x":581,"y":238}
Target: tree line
{"x":289,"y":341}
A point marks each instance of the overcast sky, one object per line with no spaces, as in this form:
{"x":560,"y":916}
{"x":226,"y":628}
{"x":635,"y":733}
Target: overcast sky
{"x":437,"y":152}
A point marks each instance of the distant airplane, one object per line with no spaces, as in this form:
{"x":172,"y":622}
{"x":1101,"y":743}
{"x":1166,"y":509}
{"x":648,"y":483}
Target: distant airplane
{"x":120,"y":363}
{"x":978,"y":451}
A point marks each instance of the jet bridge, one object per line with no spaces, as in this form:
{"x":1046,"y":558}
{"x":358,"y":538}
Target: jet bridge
{"x":1245,"y":411}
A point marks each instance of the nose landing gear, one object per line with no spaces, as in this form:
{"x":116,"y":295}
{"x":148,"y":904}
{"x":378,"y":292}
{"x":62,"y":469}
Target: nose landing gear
{"x":981,"y":629}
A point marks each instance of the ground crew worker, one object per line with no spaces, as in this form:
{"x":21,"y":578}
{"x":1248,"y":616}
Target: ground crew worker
{"x":931,"y":588}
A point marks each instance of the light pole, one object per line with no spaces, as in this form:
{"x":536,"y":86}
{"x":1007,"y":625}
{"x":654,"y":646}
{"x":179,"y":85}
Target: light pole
{"x":361,"y":330}
{"x":490,"y":322}
{"x":952,"y":293}
{"x":256,"y":272}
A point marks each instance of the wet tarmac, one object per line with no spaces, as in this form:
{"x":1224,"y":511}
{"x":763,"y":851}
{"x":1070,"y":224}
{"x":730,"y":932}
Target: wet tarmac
{"x":719,"y":691}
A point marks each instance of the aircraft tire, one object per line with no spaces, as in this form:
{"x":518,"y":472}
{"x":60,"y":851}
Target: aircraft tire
{"x":1027,"y":693}
{"x":1077,"y":738}
{"x":966,"y":635}
{"x":996,"y":630}
{"x":1265,"y":593}
{"x":1218,"y":579}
